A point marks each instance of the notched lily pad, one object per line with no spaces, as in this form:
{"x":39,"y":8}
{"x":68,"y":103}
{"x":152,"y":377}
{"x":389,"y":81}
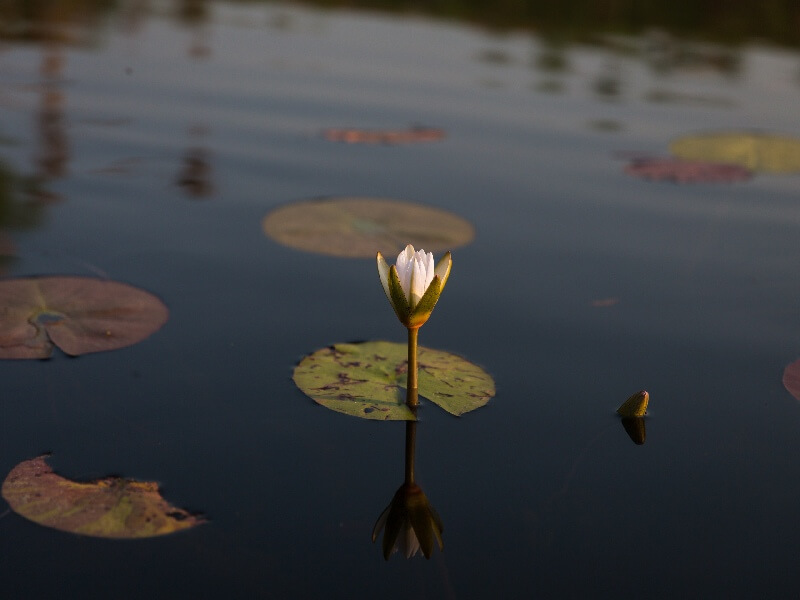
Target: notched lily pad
{"x":111,"y":507}
{"x":368,"y":380}
{"x":78,"y":314}
{"x":754,"y":151}
{"x":360,"y":227}
{"x":791,"y":379}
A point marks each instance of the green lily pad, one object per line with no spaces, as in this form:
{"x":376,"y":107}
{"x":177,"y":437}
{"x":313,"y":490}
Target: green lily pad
{"x":111,"y":507}
{"x":77,"y":314}
{"x":754,"y":151}
{"x":360,"y":227}
{"x":368,"y":380}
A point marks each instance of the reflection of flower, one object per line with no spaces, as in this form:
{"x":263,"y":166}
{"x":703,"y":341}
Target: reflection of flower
{"x":414,"y":284}
{"x":411,"y":524}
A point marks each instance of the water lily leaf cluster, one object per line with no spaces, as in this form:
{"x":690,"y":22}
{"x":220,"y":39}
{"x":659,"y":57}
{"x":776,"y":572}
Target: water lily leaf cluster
{"x":368,"y":380}
{"x":355,"y":227}
{"x":79,"y":315}
{"x":111,"y":507}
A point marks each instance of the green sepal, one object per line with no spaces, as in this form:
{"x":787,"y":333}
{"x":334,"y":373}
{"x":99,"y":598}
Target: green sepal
{"x":398,"y":297}
{"x":422,"y":311}
{"x":443,"y":267}
{"x":383,"y":273}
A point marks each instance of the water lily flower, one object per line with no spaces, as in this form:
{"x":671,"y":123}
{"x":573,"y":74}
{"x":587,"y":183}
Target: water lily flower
{"x":414,"y":284}
{"x":411,"y":524}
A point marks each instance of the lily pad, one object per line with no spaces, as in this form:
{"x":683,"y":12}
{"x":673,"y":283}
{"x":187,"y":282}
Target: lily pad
{"x":791,"y":379}
{"x":111,"y":507}
{"x":360,"y":227}
{"x":384,"y":136}
{"x":754,"y":151}
{"x":77,"y":314}
{"x":687,"y":171}
{"x":368,"y":380}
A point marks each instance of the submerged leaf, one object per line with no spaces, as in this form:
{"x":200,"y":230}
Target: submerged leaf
{"x":77,"y":314}
{"x":111,"y":507}
{"x":361,"y":227}
{"x":368,"y":380}
{"x":754,"y":151}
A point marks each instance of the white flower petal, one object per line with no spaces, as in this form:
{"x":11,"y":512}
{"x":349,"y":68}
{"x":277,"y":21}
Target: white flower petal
{"x":405,"y":267}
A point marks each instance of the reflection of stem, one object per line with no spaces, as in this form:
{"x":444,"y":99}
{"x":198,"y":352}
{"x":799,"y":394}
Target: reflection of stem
{"x":411,"y":379}
{"x":411,"y":437}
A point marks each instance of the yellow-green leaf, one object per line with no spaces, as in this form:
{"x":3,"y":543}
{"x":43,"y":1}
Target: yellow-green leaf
{"x":755,"y":151}
{"x":368,"y":380}
{"x":360,"y":227}
{"x":111,"y":507}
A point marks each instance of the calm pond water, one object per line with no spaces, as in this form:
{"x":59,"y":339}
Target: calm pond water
{"x":158,"y":143}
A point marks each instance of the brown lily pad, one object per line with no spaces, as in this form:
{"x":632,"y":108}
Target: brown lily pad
{"x":384,"y":136}
{"x":791,"y":379}
{"x":754,"y":151}
{"x":111,"y":507}
{"x":368,"y":380}
{"x":78,"y":314}
{"x":687,"y":171}
{"x":360,"y":227}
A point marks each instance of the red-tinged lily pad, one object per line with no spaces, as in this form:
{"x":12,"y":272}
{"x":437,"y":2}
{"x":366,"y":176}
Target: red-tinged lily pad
{"x":791,"y":379}
{"x":368,"y":380}
{"x":384,"y":136}
{"x":755,"y":151}
{"x":111,"y":507}
{"x":77,"y":314}
{"x":360,"y":227}
{"x":687,"y":171}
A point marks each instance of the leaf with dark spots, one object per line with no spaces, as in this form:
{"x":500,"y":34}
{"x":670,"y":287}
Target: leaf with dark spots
{"x":111,"y":507}
{"x":374,"y":389}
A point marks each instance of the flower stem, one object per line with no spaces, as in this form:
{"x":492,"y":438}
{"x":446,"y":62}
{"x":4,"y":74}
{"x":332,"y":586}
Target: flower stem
{"x":411,"y":376}
{"x":411,"y":436}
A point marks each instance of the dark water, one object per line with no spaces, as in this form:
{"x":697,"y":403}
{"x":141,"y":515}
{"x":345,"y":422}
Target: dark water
{"x":158,"y":144}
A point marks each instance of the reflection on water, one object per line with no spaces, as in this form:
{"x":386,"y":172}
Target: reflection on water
{"x":410,"y":523}
{"x":635,"y":428}
{"x":54,"y":152}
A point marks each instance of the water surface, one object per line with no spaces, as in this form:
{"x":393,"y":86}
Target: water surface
{"x":158,"y":144}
